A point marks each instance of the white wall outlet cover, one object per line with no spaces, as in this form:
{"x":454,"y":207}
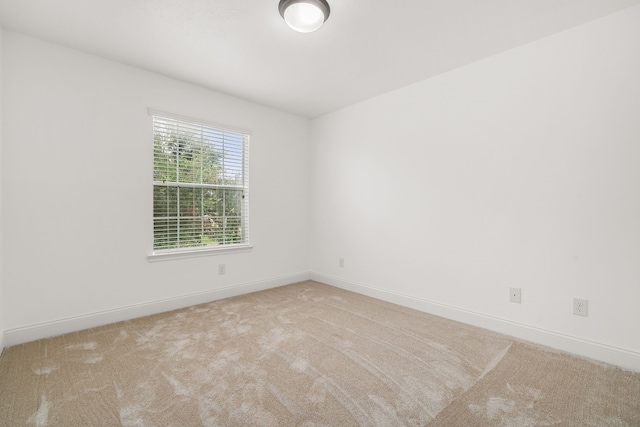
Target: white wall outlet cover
{"x":515,"y":295}
{"x":581,"y":307}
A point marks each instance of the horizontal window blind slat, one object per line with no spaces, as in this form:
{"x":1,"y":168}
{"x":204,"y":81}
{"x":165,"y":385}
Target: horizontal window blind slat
{"x":198,"y":185}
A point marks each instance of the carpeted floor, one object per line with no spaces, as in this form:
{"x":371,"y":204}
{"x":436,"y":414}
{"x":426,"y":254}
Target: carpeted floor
{"x":305,"y":355}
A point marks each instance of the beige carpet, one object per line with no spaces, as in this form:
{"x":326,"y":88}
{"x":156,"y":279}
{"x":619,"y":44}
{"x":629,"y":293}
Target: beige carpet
{"x":305,"y":355}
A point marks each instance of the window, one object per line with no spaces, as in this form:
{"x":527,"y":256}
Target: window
{"x":200,"y":186}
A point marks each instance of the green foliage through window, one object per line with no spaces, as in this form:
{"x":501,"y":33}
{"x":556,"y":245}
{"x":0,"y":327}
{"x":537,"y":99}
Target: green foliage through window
{"x":200,"y":185}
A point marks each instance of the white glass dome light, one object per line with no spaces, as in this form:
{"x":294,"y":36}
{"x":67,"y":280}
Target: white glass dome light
{"x":304,"y":16}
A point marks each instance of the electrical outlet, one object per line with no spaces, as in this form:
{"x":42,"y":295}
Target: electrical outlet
{"x":222,"y":269}
{"x":515,"y":295}
{"x":340,"y":262}
{"x":580,"y":307}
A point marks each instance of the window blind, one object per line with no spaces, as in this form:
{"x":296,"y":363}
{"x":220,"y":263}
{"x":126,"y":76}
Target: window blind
{"x":200,"y":185}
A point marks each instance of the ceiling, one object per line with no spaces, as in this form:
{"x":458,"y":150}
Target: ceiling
{"x":244,"y":48}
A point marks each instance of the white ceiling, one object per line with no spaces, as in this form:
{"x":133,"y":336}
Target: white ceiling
{"x":243,"y":48}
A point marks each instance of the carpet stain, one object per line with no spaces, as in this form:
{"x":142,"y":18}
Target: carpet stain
{"x":318,"y":391}
{"x":45,"y":370}
{"x":83,"y":346}
{"x":95,"y":358}
{"x":515,"y":407}
{"x":178,"y":388}
{"x":41,"y":417}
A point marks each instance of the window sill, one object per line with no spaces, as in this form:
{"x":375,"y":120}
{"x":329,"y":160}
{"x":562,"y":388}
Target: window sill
{"x":196,"y":252}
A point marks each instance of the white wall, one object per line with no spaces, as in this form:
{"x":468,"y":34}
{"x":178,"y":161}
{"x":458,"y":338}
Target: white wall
{"x":2,"y":303}
{"x":77,"y":192}
{"x":519,"y":170}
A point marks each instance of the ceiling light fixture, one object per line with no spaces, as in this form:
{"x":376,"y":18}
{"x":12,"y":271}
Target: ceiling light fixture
{"x":304,"y":16}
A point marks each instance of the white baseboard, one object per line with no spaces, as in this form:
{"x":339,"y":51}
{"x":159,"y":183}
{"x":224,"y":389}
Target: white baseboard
{"x":626,"y":359}
{"x":77,"y":323}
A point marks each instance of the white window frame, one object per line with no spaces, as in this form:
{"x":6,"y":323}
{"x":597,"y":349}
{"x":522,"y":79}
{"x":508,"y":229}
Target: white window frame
{"x":194,"y":251}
